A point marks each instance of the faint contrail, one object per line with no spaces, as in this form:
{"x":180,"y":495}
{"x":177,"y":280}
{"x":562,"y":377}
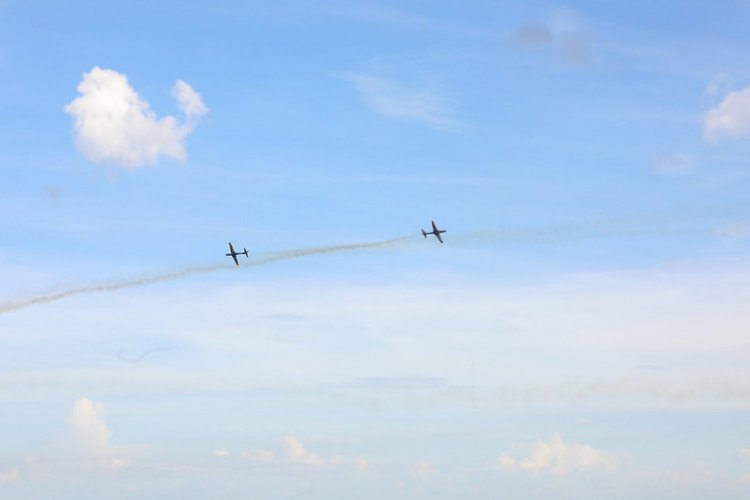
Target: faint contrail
{"x":121,"y":354}
{"x":594,"y":229}
{"x":15,"y":305}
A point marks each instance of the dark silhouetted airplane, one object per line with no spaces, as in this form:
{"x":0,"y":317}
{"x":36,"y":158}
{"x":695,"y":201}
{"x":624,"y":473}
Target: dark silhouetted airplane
{"x":437,"y":232}
{"x":234,"y":254}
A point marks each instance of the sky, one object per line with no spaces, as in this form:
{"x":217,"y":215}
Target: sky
{"x":580,"y":334}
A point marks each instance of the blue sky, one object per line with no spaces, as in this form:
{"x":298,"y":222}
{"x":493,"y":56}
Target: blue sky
{"x":580,"y":334}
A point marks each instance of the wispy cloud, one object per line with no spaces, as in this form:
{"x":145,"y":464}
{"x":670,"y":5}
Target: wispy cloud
{"x":539,"y":345}
{"x":388,"y":98}
{"x":9,"y":477}
{"x":717,"y":84}
{"x":735,"y":230}
{"x":296,"y":453}
{"x":564,"y":32}
{"x":113,"y":125}
{"x":673,"y":164}
{"x":557,"y":457}
{"x":188,"y":100}
{"x":533,"y":35}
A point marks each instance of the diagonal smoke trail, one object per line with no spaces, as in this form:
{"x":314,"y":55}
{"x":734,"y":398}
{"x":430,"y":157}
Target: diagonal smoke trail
{"x":15,"y":305}
{"x":675,"y":222}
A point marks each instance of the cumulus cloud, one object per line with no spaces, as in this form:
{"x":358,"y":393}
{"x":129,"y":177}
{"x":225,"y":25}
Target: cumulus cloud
{"x":393,"y":100}
{"x":298,"y":454}
{"x":85,"y":447}
{"x":90,"y":435}
{"x":558,"y":457}
{"x":745,"y":452}
{"x":112,"y":124}
{"x":88,"y":426}
{"x":730,"y":118}
{"x":221,"y":453}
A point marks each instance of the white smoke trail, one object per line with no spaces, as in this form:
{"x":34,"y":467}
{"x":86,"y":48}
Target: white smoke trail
{"x":675,"y":222}
{"x":15,"y":305}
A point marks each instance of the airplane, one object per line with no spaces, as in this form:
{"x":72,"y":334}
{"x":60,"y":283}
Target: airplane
{"x":437,"y":232}
{"x":234,"y":254}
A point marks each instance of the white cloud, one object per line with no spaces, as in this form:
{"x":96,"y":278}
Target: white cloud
{"x":393,"y":100}
{"x":658,"y":316}
{"x":88,"y":426}
{"x":730,"y":119}
{"x":90,"y":434}
{"x":112,"y":124}
{"x":9,"y":477}
{"x":84,"y":448}
{"x":221,"y":453}
{"x":745,"y":452}
{"x":298,"y":454}
{"x":558,"y":457}
{"x":189,"y":100}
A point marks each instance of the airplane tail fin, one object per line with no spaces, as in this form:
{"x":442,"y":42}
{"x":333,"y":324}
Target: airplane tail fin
{"x":245,"y":251}
{"x":424,"y":234}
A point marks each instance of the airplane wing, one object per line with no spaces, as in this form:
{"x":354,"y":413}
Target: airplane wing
{"x":233,"y":254}
{"x":440,"y":238}
{"x":434,"y":227}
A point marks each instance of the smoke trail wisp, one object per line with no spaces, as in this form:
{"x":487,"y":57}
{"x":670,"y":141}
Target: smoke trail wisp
{"x":673,"y":222}
{"x":15,"y":305}
{"x":122,"y":354}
